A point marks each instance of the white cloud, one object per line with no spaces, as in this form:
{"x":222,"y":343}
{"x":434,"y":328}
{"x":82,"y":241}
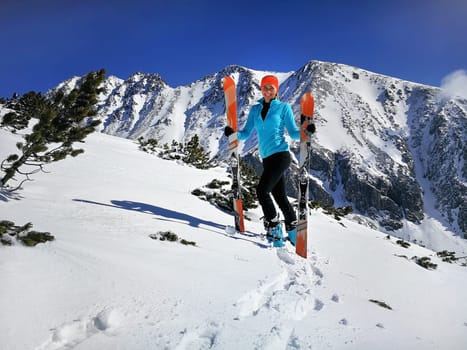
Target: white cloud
{"x":455,"y":84}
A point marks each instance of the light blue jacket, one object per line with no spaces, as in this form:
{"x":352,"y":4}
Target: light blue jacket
{"x":271,"y":138}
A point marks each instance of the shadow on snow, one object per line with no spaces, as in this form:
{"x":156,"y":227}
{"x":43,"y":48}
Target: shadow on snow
{"x":175,"y":216}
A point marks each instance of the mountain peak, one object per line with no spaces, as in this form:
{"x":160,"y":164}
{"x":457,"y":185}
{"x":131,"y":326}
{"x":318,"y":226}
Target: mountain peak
{"x":378,"y":137}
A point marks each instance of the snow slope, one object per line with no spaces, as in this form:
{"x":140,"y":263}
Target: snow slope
{"x":105,"y":284}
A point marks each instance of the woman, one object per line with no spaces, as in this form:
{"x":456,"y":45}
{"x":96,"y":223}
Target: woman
{"x":269,"y":117}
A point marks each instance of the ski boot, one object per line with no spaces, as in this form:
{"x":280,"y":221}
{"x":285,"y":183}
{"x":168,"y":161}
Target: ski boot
{"x":291,"y":229}
{"x":274,"y":232}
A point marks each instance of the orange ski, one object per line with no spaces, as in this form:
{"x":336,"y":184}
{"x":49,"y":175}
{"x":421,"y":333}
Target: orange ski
{"x":307,"y":104}
{"x":231,"y":111}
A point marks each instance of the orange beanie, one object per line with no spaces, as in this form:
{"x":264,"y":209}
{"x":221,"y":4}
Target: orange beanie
{"x":270,"y":80}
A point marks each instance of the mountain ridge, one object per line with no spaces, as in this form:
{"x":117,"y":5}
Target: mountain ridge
{"x":393,"y":149}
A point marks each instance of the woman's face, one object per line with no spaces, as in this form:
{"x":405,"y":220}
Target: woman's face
{"x":269,"y":92}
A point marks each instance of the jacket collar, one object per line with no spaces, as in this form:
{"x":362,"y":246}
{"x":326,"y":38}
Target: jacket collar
{"x":273,"y":101}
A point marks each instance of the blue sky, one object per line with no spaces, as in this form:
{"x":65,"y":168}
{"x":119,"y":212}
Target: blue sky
{"x":46,"y":42}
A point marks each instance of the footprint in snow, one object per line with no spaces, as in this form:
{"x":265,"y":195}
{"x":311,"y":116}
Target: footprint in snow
{"x":285,"y":256}
{"x":288,"y":296}
{"x":203,"y":337}
{"x":73,"y":333}
{"x":335,"y":298}
{"x":344,"y":322}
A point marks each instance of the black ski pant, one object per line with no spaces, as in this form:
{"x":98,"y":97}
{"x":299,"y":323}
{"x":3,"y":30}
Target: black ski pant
{"x":272,"y":181}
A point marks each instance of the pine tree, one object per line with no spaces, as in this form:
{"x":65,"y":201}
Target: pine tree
{"x":195,"y":154}
{"x":249,"y":181}
{"x":62,"y":120}
{"x":29,"y":104}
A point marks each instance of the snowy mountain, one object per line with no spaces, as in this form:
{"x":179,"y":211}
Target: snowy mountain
{"x":104,"y":283}
{"x":394,"y":150}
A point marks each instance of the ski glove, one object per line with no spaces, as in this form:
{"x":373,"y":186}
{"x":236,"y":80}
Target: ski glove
{"x":311,"y":128}
{"x":228,"y":131}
